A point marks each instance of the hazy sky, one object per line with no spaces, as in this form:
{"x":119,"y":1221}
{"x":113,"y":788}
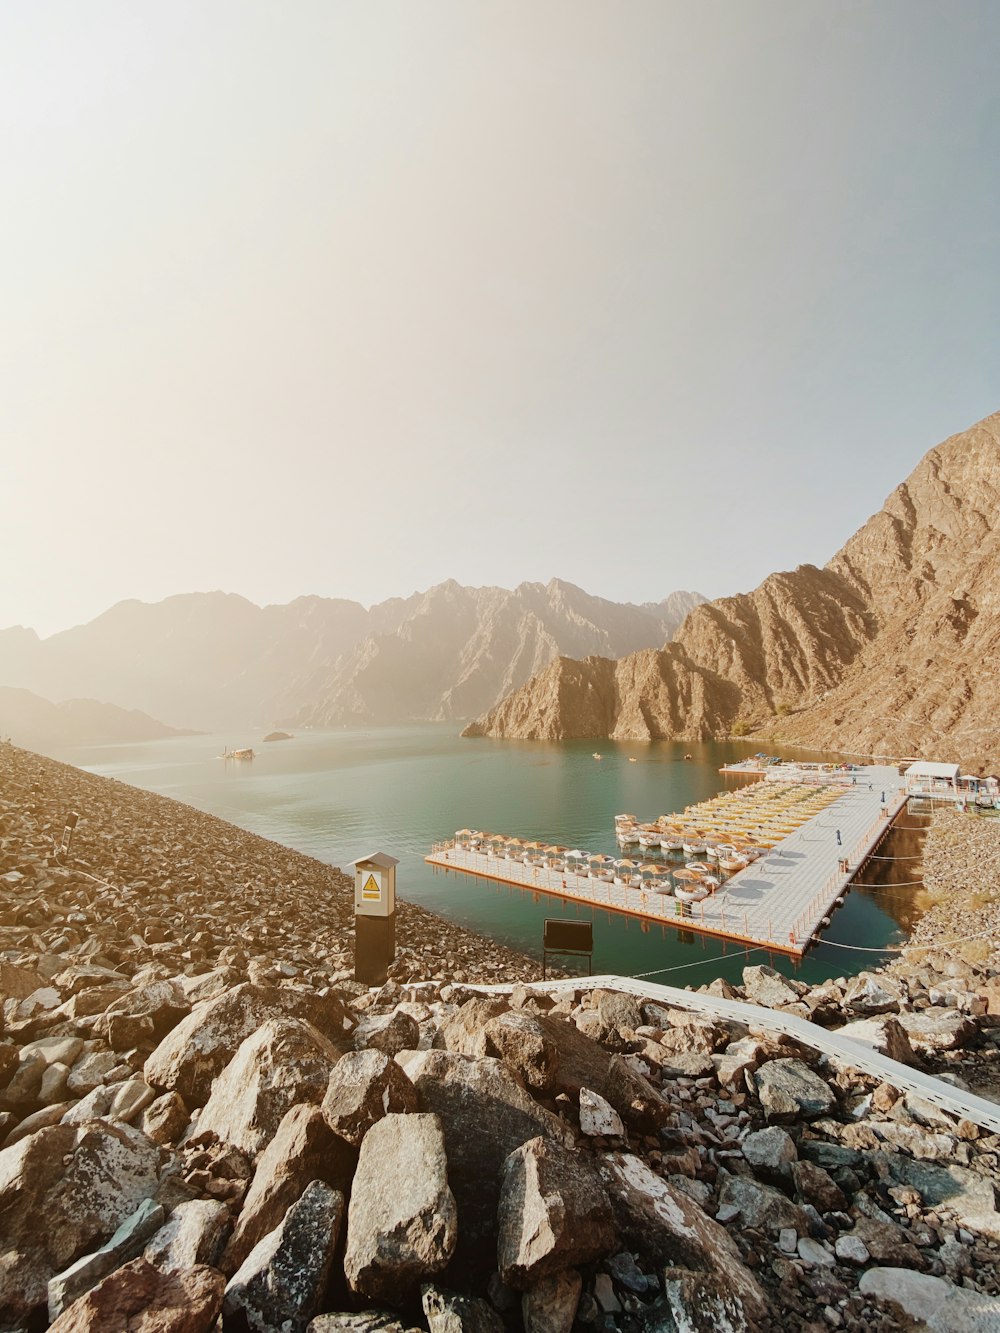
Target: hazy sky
{"x":353,"y":298}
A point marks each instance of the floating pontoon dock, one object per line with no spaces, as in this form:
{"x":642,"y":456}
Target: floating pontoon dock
{"x":779,"y":901}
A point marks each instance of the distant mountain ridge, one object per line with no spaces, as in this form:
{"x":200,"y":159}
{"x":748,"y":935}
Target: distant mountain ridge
{"x":216,"y":660}
{"x":891,"y":648}
{"x":35,"y":723}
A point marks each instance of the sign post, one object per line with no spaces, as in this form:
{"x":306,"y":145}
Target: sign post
{"x":567,"y":937}
{"x":374,"y":917}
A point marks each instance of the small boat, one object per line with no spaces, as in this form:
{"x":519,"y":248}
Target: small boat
{"x":732,"y":862}
{"x":595,"y":755}
{"x":671,"y":844}
{"x":649,"y":836}
{"x":699,"y":867}
{"x":693,"y":849}
{"x":633,"y":761}
{"x":690,"y":893}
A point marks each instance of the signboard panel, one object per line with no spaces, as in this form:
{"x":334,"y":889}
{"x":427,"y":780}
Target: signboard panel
{"x":568,"y":936}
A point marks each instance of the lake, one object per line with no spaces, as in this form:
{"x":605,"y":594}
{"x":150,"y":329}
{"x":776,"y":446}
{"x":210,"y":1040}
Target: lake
{"x":339,"y":794}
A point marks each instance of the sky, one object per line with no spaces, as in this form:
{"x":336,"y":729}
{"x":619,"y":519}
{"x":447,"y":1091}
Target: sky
{"x":351,"y":298}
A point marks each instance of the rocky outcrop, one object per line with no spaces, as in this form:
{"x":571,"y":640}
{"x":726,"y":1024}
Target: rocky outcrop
{"x":882,"y":651}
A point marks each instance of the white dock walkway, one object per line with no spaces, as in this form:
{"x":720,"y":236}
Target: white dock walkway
{"x":965,"y":1105}
{"x":778,"y":901}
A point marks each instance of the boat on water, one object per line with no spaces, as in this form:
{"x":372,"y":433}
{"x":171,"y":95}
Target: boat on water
{"x":595,"y":755}
{"x":237,"y":754}
{"x":693,"y":849}
{"x":690,"y":893}
{"x":649,"y":836}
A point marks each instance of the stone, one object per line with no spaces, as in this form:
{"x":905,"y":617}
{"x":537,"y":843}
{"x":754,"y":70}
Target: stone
{"x":48,"y":1115}
{"x":972,"y":1196}
{"x":935,"y":1304}
{"x":447,"y":1312}
{"x":368,"y":1321}
{"x":668,"y":1227}
{"x":788,"y":1089}
{"x":788,"y":1239}
{"x":165,"y":1119}
{"x":517,"y":1038}
{"x":162,"y":1002}
{"x":485,"y":1115}
{"x":938,"y":1029}
{"x":462,"y":1031}
{"x":194,"y":1052}
{"x":584,"y":1063}
{"x":127,"y":1031}
{"x":130,"y":1099}
{"x":388,"y":1033}
{"x":194,"y":1235}
{"x":771,"y":1149}
{"x":141,"y":1299}
{"x":554,"y":1214}
{"x":869,"y":994}
{"x":53,"y":1085}
{"x":851,"y":1250}
{"x":766,"y":986}
{"x":813,"y":1254}
{"x":303,"y":1149}
{"x":363,"y":1087}
{"x":816,"y":1186}
{"x":282,"y":1282}
{"x":761,"y":1206}
{"x":53,"y":1050}
{"x":635,"y":1098}
{"x":403,"y":1222}
{"x":604,"y":1294}
{"x":886,"y":1243}
{"x":84,"y":1181}
{"x":550,"y":1305}
{"x":885,"y":1034}
{"x":598,"y":1118}
{"x":285,"y":1061}
{"x":89,"y":1072}
{"x":23,"y":1091}
{"x":125,"y":1244}
{"x":618,"y":1012}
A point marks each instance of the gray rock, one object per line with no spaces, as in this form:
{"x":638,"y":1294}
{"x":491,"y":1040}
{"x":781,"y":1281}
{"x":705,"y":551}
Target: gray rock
{"x":812,"y":1253}
{"x":388,"y":1033}
{"x":762,"y":1206}
{"x":870,"y":994}
{"x":666,"y":1226}
{"x":771,"y":1149}
{"x":550,"y":1305}
{"x":886,"y":1243}
{"x":84,"y":1181}
{"x":194,"y":1235}
{"x":194,"y":1052}
{"x":814,"y":1185}
{"x":89,"y":1072}
{"x":362,"y":1088}
{"x":303,"y":1149}
{"x":936,"y":1305}
{"x":517,"y":1038}
{"x":885,"y":1034}
{"x":765,"y":986}
{"x":126,"y":1243}
{"x":598,"y":1118}
{"x":130,"y":1099}
{"x":485,"y":1115}
{"x":618,"y":1012}
{"x":403,"y":1223}
{"x":788,"y":1089}
{"x":554,"y":1213}
{"x":282,"y":1063}
{"x":282,"y":1282}
{"x":368,"y":1321}
{"x":972,"y":1196}
{"x":447,"y":1312}
{"x":851,"y":1250}
{"x":938,"y":1029}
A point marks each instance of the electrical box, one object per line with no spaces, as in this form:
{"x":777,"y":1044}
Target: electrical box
{"x":374,"y":916}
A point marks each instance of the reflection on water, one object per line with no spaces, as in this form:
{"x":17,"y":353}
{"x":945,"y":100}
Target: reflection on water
{"x":338,"y":794}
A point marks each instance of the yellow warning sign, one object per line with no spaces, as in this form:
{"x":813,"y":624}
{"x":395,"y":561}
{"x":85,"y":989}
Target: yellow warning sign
{"x":371,"y":888}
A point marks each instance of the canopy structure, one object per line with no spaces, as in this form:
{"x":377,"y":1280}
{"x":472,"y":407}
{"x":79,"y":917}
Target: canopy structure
{"x":927,"y":777}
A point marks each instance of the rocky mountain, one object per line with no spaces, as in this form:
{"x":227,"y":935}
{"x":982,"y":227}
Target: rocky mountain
{"x":215,"y":660}
{"x":32,"y":721}
{"x":890,"y":648}
{"x":460,"y":650}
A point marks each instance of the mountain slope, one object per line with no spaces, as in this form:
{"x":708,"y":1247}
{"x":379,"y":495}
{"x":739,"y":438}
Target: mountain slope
{"x":892,"y":647}
{"x":217,"y":661}
{"x":460,"y":649}
{"x":37,"y":724}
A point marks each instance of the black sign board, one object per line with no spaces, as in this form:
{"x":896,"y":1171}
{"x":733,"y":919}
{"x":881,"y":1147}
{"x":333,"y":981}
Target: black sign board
{"x":561,"y":936}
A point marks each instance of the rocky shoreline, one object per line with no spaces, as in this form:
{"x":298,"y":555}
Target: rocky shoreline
{"x":206,"y":1123}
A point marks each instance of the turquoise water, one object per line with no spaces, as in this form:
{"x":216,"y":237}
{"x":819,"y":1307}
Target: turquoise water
{"x":339,"y":794}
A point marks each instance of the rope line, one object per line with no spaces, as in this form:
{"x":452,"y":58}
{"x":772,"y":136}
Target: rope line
{"x":760,"y":948}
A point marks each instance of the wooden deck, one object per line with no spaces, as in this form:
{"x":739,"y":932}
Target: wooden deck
{"x":779,"y":901}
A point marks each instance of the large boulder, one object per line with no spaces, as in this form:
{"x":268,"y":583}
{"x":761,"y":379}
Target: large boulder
{"x":584,"y":1063}
{"x":79,"y":1182}
{"x":554,"y":1214}
{"x":388,"y":1033}
{"x":448,"y":1312}
{"x":125,"y":1244}
{"x":761,"y":1206}
{"x":669,"y":1227}
{"x":462,"y":1031}
{"x":868,"y":993}
{"x":362,"y":1088}
{"x":194,"y":1235}
{"x":934,"y":1304}
{"x":517,"y":1038}
{"x":885,"y":1034}
{"x":789,"y":1090}
{"x":485,"y":1115}
{"x":194,"y":1052}
{"x":938,"y":1029}
{"x":285,"y":1062}
{"x":303,"y":1149}
{"x":403,"y":1223}
{"x":282,"y":1282}
{"x":141,"y":1299}
{"x":766,"y":986}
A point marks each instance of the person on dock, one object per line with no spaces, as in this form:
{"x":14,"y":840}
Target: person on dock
{"x":838,"y":837}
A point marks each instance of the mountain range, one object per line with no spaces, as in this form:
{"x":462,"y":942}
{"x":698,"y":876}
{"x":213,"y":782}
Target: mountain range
{"x":38,"y":724}
{"x":215,"y":661}
{"x":890,"y":648}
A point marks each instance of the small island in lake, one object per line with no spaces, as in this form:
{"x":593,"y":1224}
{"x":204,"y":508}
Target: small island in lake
{"x":279,"y":736}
